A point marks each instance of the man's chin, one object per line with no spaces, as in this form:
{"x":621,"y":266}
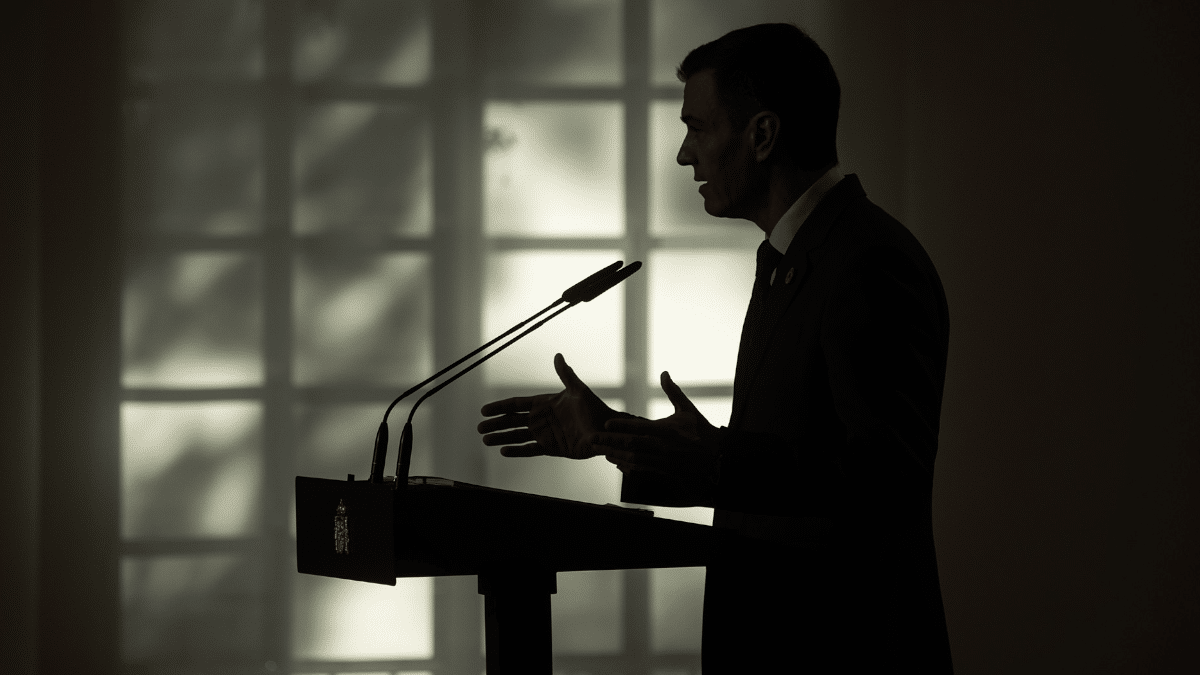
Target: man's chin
{"x":716,"y":209}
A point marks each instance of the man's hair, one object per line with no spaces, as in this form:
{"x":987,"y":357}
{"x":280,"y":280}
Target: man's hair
{"x":775,"y":67}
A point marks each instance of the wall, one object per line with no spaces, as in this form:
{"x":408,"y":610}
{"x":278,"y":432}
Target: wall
{"x":1051,"y":173}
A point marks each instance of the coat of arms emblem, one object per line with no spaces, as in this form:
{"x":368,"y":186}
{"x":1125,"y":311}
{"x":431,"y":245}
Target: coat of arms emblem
{"x":341,"y":530}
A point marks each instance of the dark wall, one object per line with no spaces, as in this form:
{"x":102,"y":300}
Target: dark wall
{"x":1051,"y":172}
{"x":18,"y":341}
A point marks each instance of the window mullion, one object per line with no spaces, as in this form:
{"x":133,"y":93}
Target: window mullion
{"x":278,"y":113}
{"x":637,"y":174}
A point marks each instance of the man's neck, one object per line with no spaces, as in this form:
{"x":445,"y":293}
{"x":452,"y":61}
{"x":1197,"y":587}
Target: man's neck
{"x":785,"y":185}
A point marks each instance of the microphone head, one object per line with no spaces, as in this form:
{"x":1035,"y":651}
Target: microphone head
{"x":602,"y":284}
{"x":575,"y":293}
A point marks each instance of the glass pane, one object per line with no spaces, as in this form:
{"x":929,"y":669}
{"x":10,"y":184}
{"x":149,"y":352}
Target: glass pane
{"x":698,"y":301}
{"x":676,"y":609}
{"x":553,"y":169}
{"x":362,"y":318}
{"x":586,"y":613}
{"x":203,"y":608}
{"x":339,"y":619}
{"x":190,"y":469}
{"x":555,"y":42}
{"x":589,"y":336}
{"x":335,"y":440}
{"x":192,"y":320}
{"x":676,"y":207}
{"x":193,"y":165}
{"x":214,"y":39}
{"x":592,"y":480}
{"x":380,"y":42}
{"x":679,"y":26}
{"x":363,"y":168}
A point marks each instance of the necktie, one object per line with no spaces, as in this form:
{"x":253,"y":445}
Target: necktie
{"x":753,"y":332}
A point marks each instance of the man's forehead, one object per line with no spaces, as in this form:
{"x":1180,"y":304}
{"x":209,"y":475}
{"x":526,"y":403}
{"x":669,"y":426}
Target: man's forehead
{"x":700,"y":96}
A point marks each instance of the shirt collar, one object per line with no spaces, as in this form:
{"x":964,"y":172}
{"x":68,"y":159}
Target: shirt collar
{"x":789,"y":224}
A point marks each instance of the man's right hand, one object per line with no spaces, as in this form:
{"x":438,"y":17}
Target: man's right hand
{"x":560,"y":425}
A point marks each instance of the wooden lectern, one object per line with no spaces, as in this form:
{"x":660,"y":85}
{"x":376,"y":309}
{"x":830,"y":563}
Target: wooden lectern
{"x":513,"y":541}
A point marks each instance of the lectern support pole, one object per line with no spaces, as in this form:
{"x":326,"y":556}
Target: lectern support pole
{"x":517,"y":621}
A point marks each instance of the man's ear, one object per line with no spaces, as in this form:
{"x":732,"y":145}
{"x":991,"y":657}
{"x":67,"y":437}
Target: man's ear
{"x":764,"y":134}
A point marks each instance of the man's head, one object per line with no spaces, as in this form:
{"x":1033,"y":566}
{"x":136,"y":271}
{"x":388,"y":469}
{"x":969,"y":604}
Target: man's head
{"x":758,"y":96}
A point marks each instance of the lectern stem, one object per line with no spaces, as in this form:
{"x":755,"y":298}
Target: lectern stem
{"x":517,"y":622}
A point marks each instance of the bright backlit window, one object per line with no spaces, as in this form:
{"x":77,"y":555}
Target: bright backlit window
{"x":325,"y":201}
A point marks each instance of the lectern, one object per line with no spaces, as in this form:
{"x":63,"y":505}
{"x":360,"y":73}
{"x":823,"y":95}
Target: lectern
{"x":514,"y":542}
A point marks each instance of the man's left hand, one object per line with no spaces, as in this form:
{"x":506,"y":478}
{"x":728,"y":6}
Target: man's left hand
{"x":683,"y":445}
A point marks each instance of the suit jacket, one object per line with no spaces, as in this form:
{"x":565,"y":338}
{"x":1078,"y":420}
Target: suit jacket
{"x":826,"y":468}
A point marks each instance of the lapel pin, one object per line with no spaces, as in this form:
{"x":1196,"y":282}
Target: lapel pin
{"x":790,"y":274}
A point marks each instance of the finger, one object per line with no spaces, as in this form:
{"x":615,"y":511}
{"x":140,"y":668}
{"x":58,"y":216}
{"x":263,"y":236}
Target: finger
{"x":675,"y":394}
{"x":623,"y":459}
{"x":567,"y":374}
{"x":508,"y":437}
{"x":527,"y":450}
{"x":509,"y":421}
{"x":515,"y":404}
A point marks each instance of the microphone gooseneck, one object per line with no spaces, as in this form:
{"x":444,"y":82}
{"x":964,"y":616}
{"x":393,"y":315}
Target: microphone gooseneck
{"x":583,"y":291}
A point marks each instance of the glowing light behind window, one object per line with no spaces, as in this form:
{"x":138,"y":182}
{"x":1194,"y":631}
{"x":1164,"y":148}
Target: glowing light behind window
{"x":698,"y":301}
{"x":553,"y":169}
{"x":362,"y":318}
{"x":179,"y":608}
{"x":590,"y":335}
{"x":378,"y":43}
{"x":363,"y":169}
{"x":339,"y":619}
{"x":554,"y":42}
{"x":192,"y":320}
{"x":190,"y":469}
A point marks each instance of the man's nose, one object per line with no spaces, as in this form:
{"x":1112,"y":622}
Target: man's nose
{"x":685,"y":156}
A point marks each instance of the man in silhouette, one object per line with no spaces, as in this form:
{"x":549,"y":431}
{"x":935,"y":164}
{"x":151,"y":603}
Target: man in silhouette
{"x":824,"y":474}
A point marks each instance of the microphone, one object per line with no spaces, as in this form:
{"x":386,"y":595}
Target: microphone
{"x":584,"y":291}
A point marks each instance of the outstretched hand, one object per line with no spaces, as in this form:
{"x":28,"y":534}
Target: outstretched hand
{"x":559,"y":425}
{"x":684,"y":445}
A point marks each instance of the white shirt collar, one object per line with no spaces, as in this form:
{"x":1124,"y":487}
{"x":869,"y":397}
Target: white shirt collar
{"x":789,"y":224}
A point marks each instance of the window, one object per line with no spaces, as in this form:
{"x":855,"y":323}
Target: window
{"x":326,"y":200}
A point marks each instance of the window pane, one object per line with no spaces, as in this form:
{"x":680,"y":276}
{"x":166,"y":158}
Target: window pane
{"x":340,"y":619}
{"x":362,"y":318}
{"x":193,"y":165}
{"x":381,"y":42}
{"x":676,"y":609}
{"x":586,"y":613}
{"x":190,"y":469}
{"x":363,"y":168}
{"x":698,"y":302}
{"x":554,"y":42}
{"x":553,"y":169}
{"x":589,"y":336}
{"x":192,"y":320}
{"x":335,"y":440}
{"x":682,"y":25}
{"x":214,"y":39}
{"x":195,"y":608}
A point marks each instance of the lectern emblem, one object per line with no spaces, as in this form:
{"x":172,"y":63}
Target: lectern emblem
{"x":341,"y":530}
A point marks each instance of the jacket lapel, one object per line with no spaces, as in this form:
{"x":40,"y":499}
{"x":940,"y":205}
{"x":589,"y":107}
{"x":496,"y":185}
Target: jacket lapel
{"x":795,"y":262}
